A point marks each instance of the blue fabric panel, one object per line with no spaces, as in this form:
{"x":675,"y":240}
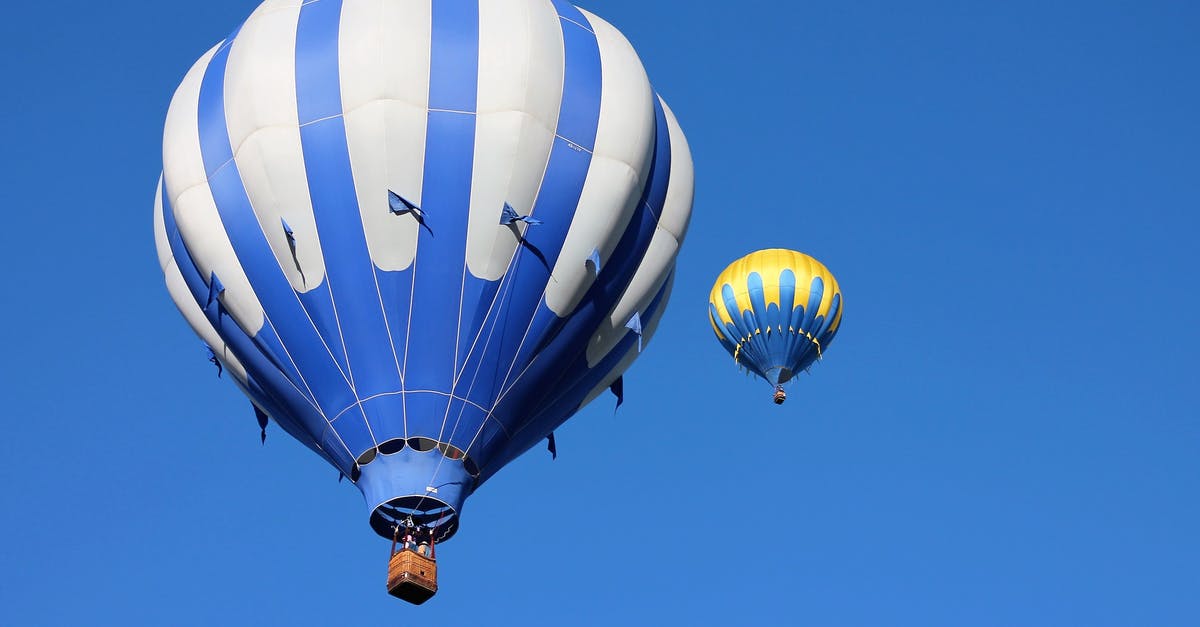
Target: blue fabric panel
{"x":468,"y":427}
{"x":735,"y":312}
{"x":762,"y":321}
{"x":659,"y":176}
{"x":425,"y":412}
{"x":562,"y":401}
{"x":318,"y":89}
{"x":439,"y":269}
{"x":454,"y":56}
{"x":308,"y":349}
{"x":477,"y":349}
{"x":582,"y":80}
{"x":271,"y":348}
{"x":728,"y":340}
{"x":817,"y":291}
{"x":557,"y":198}
{"x":488,"y":318}
{"x":318,"y":304}
{"x":563,"y":338}
{"x":834,"y":305}
{"x":352,"y":429}
{"x":834,"y":309}
{"x":409,"y":473}
{"x":282,"y":418}
{"x":257,"y":364}
{"x":342,"y":460}
{"x":350,"y":273}
{"x":396,"y":290}
{"x":787,"y":300}
{"x":385,"y":415}
{"x":566,"y":399}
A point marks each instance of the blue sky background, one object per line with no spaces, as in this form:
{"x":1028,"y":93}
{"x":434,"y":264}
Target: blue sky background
{"x":1004,"y":433}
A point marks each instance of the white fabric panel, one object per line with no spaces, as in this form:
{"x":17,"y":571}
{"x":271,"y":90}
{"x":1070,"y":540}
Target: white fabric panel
{"x":260,"y":110}
{"x":648,"y":329}
{"x":199,"y":323}
{"x":677,"y":206}
{"x":274,"y":5}
{"x":656,"y":266}
{"x":162,"y":245}
{"x":202,"y":229}
{"x":194,"y":209}
{"x":183,"y":166}
{"x":620,"y":163}
{"x":182,"y":296}
{"x":664,"y":246}
{"x":384,"y":68}
{"x":520,"y":89}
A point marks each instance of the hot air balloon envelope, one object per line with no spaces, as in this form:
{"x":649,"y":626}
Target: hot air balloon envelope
{"x":387,"y":219}
{"x":776,"y":311}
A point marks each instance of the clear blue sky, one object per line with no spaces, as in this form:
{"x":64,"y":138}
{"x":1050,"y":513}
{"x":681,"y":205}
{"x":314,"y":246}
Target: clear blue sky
{"x":1004,"y":433}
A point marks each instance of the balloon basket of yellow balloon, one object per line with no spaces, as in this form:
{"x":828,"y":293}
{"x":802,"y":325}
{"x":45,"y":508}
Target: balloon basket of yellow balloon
{"x":412,"y":576}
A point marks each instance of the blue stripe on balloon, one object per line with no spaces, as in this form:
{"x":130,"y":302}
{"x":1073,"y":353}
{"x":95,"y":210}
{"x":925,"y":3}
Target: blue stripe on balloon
{"x":318,"y":84}
{"x":558,"y":196}
{"x":734,"y":311}
{"x":567,"y":398}
{"x":439,"y":270}
{"x":336,"y":449}
{"x":816,"y":292}
{"x":835,"y":308}
{"x":470,"y":424}
{"x":259,"y":367}
{"x":563,"y":337}
{"x":727,"y":339}
{"x":797,"y":318}
{"x":762,"y":320}
{"x":395,"y":287}
{"x":483,"y":301}
{"x":305,"y":345}
{"x":350,"y":273}
{"x":454,"y":55}
{"x":352,"y":429}
{"x":787,"y":300}
{"x":580,"y":110}
{"x":756,"y":352}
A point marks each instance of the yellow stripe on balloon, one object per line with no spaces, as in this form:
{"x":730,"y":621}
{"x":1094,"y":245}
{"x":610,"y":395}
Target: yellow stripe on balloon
{"x":770,"y":264}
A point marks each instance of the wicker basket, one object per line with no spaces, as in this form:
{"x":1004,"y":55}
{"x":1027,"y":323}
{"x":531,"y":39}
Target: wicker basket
{"x":412,"y":577}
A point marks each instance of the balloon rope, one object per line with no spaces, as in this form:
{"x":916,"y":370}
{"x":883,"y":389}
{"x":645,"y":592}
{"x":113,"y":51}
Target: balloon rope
{"x":462,"y":290}
{"x":501,"y":293}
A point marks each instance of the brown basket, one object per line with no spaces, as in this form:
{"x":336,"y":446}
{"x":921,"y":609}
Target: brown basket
{"x":412,"y":577}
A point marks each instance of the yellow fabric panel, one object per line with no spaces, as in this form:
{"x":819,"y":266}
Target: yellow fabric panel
{"x":769,"y":264}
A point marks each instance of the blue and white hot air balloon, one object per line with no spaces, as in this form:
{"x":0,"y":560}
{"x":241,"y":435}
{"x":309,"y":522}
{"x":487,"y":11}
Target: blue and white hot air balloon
{"x":421,"y":234}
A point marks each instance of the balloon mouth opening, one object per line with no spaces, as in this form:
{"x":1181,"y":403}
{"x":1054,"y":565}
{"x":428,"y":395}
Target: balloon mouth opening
{"x":781,"y":374}
{"x":426,"y":511}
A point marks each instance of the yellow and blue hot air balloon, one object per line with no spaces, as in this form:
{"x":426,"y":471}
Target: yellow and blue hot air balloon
{"x":776,"y":311}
